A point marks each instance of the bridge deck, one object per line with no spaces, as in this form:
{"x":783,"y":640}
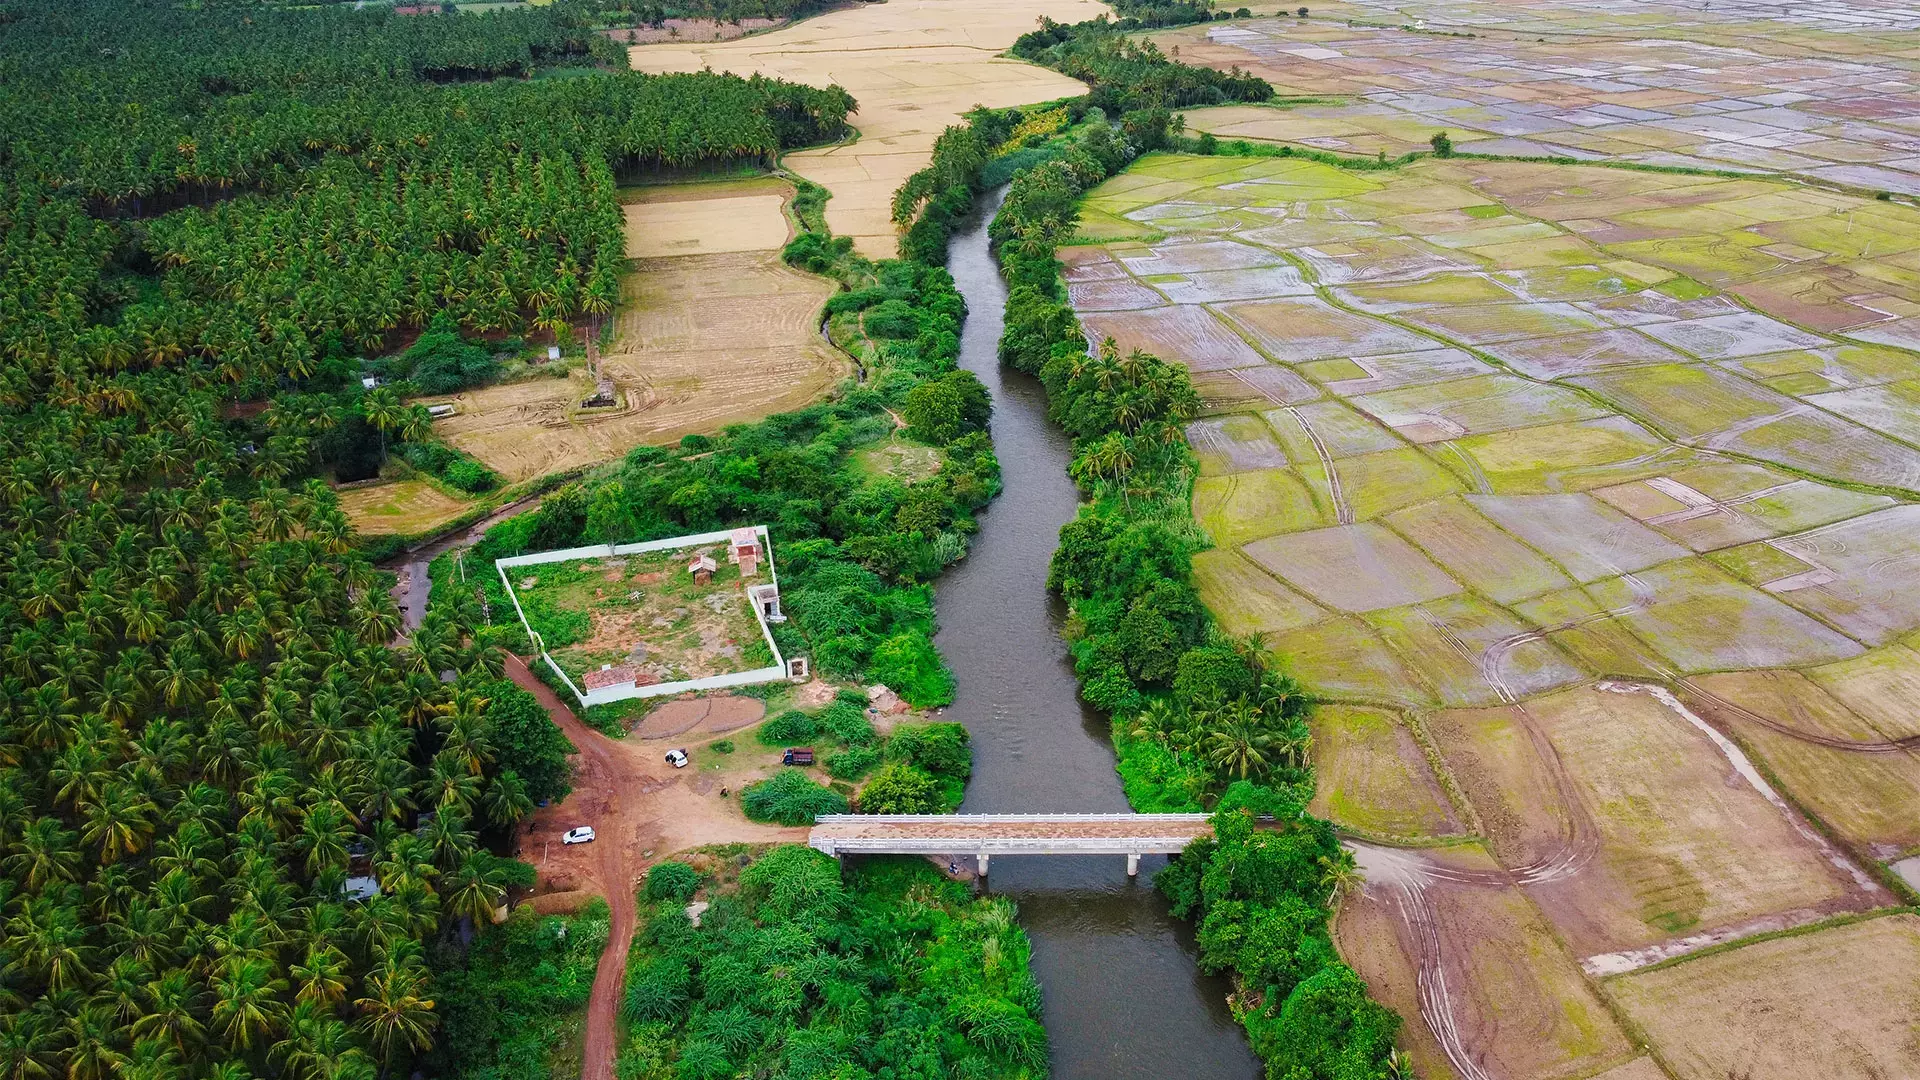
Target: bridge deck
{"x":1008,"y":834}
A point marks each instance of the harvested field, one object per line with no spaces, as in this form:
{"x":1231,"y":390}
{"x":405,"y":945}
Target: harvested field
{"x":1444,"y":936}
{"x":1674,"y":839}
{"x":400,"y":508}
{"x":677,"y":372}
{"x":706,"y":219}
{"x":913,"y":65}
{"x":1374,"y":777}
{"x":1839,"y":763}
{"x":1840,"y":1001}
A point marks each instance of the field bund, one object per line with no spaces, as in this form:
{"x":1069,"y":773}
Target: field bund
{"x":1586,"y":497}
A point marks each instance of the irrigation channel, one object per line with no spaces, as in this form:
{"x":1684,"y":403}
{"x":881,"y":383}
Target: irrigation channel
{"x":1123,"y":994}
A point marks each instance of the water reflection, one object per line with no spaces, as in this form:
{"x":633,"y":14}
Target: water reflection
{"x":1124,"y":997}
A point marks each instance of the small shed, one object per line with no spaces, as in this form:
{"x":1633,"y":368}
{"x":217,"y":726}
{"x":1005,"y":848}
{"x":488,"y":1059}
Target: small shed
{"x":702,"y":568}
{"x":743,"y":547}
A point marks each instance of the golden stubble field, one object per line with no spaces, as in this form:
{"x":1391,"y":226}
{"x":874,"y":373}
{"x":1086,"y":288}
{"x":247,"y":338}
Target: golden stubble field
{"x":913,"y":65}
{"x":713,"y":330}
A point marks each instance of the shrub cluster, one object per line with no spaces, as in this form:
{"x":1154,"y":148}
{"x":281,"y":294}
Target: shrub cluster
{"x":895,"y":972}
{"x":789,"y":798}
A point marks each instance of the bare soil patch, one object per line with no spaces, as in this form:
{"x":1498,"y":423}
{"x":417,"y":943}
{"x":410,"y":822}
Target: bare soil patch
{"x":1837,"y":762}
{"x":703,"y":716}
{"x":1449,"y":942}
{"x":1681,"y":842}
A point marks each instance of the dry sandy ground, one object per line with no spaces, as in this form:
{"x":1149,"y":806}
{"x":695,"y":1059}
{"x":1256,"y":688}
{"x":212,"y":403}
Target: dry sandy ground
{"x":702,"y":341}
{"x":642,"y":812}
{"x":707,"y":219}
{"x":913,"y":65}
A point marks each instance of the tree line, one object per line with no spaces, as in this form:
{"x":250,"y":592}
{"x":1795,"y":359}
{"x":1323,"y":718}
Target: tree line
{"x":1201,"y":720}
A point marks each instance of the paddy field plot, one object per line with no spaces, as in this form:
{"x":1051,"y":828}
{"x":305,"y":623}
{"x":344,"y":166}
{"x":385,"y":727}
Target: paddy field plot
{"x":913,"y":65}
{"x":1353,"y":567}
{"x":1860,"y":573}
{"x":1525,"y":434}
{"x":1681,"y":843}
{"x":1836,"y":760}
{"x":643,"y":611}
{"x":401,"y":508}
{"x":1701,"y":619}
{"x":1843,"y":997}
{"x":1374,"y":776}
{"x":1441,"y":933}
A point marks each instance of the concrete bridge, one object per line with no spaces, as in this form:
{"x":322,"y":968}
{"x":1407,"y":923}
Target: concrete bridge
{"x":986,"y":835}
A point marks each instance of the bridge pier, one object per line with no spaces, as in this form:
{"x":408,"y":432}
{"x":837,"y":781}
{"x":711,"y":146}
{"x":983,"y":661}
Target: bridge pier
{"x":983,"y":864}
{"x":1133,"y":864}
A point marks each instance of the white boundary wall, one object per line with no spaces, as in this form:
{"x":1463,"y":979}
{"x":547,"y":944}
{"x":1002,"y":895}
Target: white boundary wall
{"x":605,"y":694}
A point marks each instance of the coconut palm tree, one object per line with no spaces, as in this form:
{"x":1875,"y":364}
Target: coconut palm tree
{"x":393,"y":1013}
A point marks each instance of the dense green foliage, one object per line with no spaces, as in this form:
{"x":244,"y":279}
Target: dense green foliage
{"x":1262,"y":896}
{"x":789,"y":798}
{"x":319,"y":172}
{"x":521,"y":986}
{"x":1128,"y":75}
{"x":1199,"y":716}
{"x":205,"y":727}
{"x":527,"y":746}
{"x":895,"y":973}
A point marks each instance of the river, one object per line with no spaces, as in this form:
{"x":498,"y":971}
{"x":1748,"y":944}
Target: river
{"x":1124,"y":995}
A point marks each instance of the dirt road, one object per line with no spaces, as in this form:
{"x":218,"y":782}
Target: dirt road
{"x":642,"y":811}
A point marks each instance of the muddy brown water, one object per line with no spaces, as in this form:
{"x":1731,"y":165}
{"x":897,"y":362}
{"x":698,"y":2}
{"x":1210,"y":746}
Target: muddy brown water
{"x":1124,"y":996}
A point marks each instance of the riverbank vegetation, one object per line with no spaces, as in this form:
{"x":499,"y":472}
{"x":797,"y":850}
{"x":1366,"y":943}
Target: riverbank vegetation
{"x":795,"y":970}
{"x":1201,"y":719}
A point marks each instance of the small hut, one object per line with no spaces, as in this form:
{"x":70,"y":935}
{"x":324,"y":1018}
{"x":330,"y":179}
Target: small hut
{"x":744,"y":548}
{"x":702,"y":568}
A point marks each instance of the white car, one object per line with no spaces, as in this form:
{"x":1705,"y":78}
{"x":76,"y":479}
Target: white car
{"x":677,"y":758}
{"x":581,"y":835}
